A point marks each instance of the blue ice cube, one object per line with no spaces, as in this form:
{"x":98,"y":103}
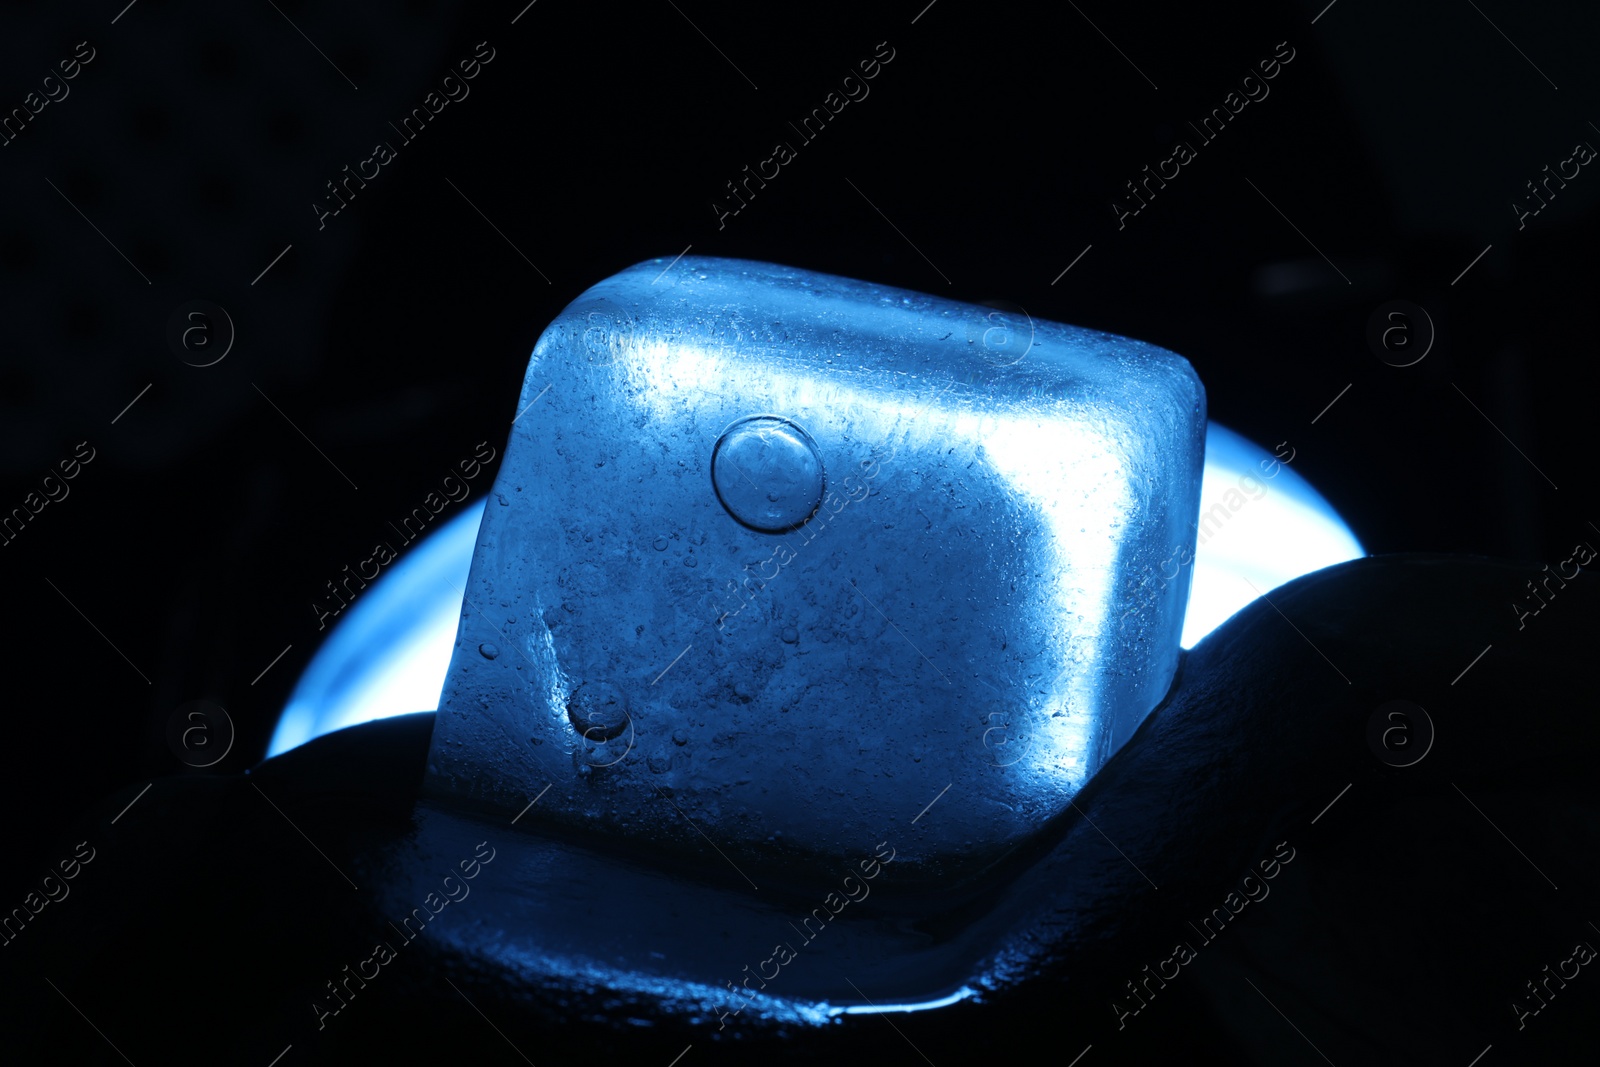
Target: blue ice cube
{"x":794,"y":564}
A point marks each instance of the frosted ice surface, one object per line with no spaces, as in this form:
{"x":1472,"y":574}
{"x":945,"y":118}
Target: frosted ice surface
{"x":781,"y":559}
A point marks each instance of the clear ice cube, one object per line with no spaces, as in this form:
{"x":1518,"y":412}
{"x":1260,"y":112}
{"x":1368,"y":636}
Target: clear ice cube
{"x":794,"y":564}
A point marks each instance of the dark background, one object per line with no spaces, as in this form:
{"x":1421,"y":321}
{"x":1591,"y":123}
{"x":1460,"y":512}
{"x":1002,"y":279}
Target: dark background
{"x":192,"y":147}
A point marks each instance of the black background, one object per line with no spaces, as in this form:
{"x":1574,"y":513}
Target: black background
{"x":192,"y":147}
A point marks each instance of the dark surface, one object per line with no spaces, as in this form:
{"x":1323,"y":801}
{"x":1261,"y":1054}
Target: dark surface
{"x":1398,"y":931}
{"x":195,"y":543}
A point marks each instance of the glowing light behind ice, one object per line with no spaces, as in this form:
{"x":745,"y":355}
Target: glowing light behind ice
{"x":1255,"y":531}
{"x":387,"y":654}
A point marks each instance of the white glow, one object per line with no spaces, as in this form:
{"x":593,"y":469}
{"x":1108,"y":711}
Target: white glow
{"x":1256,"y":532}
{"x":1075,"y":478}
{"x":925,"y":1005}
{"x":388,"y":654}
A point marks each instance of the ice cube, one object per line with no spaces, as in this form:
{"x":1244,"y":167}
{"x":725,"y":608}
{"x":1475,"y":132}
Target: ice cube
{"x":795,"y":564}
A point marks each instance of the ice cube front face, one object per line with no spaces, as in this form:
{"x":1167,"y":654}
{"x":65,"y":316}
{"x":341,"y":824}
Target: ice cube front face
{"x":776,"y":560}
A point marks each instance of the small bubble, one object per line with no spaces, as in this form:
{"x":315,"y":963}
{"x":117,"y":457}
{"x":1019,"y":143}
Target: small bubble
{"x":790,"y":635}
{"x":660,"y":544}
{"x":489,"y":650}
{"x":679,"y":737}
{"x":598,"y":711}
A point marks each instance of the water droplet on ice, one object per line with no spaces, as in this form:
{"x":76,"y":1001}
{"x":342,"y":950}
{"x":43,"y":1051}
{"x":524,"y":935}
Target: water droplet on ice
{"x":598,"y":711}
{"x":767,"y":472}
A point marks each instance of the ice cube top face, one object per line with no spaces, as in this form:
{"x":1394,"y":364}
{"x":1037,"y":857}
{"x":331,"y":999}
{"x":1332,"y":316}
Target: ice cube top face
{"x":776,"y":560}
